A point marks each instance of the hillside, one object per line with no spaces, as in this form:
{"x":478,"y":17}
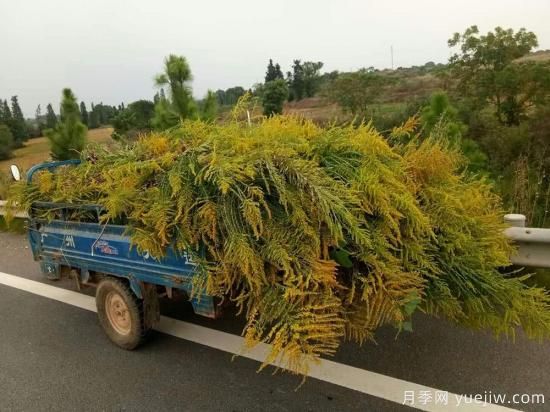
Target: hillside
{"x":538,"y":56}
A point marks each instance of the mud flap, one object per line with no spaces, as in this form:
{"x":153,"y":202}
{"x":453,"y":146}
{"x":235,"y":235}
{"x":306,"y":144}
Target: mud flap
{"x":151,"y":308}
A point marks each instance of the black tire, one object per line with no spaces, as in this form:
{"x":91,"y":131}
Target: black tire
{"x":121,"y":313}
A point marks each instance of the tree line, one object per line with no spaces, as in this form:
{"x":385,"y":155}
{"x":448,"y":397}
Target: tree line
{"x":304,"y":80}
{"x":13,"y":128}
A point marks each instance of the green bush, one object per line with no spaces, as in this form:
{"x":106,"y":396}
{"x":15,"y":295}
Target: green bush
{"x":274,"y":95}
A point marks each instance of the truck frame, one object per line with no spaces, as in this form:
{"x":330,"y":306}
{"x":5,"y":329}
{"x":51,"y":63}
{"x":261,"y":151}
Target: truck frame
{"x":128,"y":283}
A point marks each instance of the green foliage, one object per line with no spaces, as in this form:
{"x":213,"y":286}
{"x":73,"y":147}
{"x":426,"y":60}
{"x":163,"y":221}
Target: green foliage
{"x":305,"y":79}
{"x":123,"y":123}
{"x":440,"y":110}
{"x":5,"y":113}
{"x":477,"y":158}
{"x":315,"y":234}
{"x":180,"y":104}
{"x":486,"y":70}
{"x":274,"y":95}
{"x":386,"y":117}
{"x":273,"y":72}
{"x":518,"y":161}
{"x":51,"y":118}
{"x":165,"y":117}
{"x":312,"y":77}
{"x":441,"y":120}
{"x":136,"y":118}
{"x":84,"y":113}
{"x":143,"y":111}
{"x":68,"y":137}
{"x":5,"y":183}
{"x":296,"y":81}
{"x":229,"y":97}
{"x":209,"y":107}
{"x":15,"y":226}
{"x":13,"y":119}
{"x":354,"y":92}
{"x":101,"y":114}
{"x":94,"y":118}
{"x":17,"y":123}
{"x":6,"y":142}
{"x":39,"y":119}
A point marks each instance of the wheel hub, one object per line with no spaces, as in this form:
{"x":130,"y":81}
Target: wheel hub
{"x":118,"y":313}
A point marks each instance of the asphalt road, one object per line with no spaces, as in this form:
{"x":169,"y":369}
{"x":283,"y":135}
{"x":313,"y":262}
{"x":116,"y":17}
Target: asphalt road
{"x":54,"y":356}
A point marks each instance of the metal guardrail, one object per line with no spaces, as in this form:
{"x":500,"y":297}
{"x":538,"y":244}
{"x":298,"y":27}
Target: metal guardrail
{"x":533,"y":243}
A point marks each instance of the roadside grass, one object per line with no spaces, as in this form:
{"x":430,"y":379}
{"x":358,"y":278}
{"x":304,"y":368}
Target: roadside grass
{"x":16,"y":225}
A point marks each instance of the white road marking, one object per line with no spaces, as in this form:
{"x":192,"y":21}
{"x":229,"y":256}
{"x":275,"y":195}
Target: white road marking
{"x":370,"y":383}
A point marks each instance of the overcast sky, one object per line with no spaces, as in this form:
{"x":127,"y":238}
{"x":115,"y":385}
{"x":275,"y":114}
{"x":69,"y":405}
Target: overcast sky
{"x":109,"y":50}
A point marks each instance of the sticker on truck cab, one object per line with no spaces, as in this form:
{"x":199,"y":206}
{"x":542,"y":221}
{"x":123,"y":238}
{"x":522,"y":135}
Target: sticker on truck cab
{"x":105,"y":248}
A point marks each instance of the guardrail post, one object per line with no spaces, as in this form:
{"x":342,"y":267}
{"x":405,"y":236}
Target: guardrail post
{"x":533,"y":244}
{"x":515,"y":220}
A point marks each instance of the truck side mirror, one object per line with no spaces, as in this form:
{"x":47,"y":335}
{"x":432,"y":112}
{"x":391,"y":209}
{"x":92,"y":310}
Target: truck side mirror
{"x":16,"y":174}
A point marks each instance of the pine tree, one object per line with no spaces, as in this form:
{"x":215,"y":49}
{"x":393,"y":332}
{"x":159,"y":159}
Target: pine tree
{"x":180,"y":105}
{"x":209,"y":106}
{"x":289,"y":79}
{"x":100,"y":113}
{"x":51,"y":118}
{"x":68,"y":138}
{"x":38,"y":113}
{"x":39,"y":120}
{"x":278,"y":72}
{"x":270,"y":73}
{"x":93,"y":119}
{"x":298,"y":82}
{"x":18,"y":124}
{"x":5,"y":113}
{"x":83,"y":113}
{"x":273,"y":72}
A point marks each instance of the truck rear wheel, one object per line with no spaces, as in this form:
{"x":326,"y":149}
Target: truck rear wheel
{"x":121,"y":313}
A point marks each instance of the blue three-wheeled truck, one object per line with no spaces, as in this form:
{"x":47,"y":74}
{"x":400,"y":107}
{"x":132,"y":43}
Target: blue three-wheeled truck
{"x":128,"y":284}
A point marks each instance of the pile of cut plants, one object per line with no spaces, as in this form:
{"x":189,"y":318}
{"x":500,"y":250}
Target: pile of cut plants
{"x":316,"y":234}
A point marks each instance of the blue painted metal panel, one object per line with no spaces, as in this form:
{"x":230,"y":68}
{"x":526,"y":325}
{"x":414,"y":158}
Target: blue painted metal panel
{"x":107,"y":249}
{"x":50,"y":165}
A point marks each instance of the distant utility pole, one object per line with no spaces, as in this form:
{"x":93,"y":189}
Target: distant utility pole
{"x":391,"y":52}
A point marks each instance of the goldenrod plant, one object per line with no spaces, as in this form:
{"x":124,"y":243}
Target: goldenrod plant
{"x":316,"y":234}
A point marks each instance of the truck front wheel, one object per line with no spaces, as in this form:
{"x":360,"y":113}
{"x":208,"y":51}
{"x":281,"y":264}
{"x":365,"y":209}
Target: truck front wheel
{"x":121,"y":313}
